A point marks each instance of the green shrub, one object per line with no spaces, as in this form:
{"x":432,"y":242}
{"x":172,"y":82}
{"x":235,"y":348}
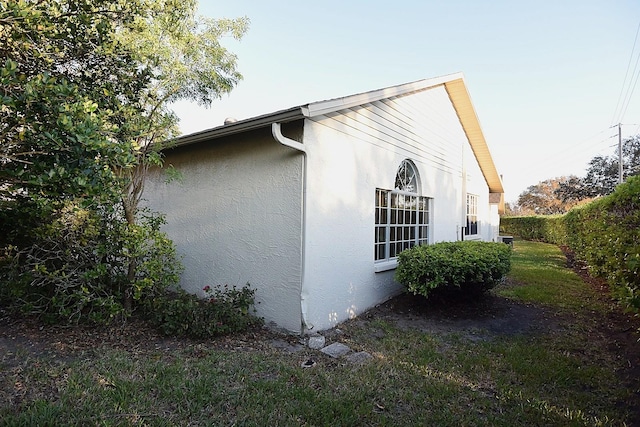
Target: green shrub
{"x":223,"y":311}
{"x":74,"y":268}
{"x":470,"y":266}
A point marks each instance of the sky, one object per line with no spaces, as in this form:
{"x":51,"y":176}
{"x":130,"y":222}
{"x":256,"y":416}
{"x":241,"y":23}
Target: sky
{"x":549,"y":79}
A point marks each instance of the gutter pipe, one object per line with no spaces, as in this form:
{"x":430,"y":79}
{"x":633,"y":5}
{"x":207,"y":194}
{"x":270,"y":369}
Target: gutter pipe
{"x":276,"y":131}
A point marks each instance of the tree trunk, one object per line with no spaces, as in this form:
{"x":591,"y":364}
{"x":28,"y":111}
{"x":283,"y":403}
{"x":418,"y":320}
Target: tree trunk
{"x":129,"y":212}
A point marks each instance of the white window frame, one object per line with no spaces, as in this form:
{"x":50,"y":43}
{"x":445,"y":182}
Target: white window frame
{"x":402,"y":218}
{"x":472,"y":226}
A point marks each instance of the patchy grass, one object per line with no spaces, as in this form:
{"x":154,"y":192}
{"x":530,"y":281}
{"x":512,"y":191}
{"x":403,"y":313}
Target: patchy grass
{"x":433,"y":382}
{"x":561,"y":375}
{"x":540,"y":275}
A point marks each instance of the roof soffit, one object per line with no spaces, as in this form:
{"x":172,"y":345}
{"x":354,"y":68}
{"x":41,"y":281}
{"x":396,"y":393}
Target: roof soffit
{"x":461,"y":101}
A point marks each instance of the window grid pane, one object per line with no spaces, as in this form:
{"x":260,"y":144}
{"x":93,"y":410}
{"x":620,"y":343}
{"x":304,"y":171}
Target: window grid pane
{"x":402,"y":221}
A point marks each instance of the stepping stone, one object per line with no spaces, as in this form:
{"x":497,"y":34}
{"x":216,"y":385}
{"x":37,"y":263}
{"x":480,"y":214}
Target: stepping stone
{"x":316,"y":342}
{"x":336,"y":349}
{"x":359,"y":358}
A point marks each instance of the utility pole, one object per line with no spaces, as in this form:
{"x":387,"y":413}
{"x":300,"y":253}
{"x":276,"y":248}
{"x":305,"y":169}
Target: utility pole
{"x":620,"y":169}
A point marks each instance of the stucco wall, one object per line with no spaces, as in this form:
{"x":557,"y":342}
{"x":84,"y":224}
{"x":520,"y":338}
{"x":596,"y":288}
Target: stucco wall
{"x":352,"y":153}
{"x":235,"y":217}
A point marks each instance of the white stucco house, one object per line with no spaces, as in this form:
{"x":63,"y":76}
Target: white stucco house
{"x":312,"y":204}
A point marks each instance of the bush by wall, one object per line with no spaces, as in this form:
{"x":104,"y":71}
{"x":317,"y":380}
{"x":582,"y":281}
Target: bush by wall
{"x":75,"y":267}
{"x":470,"y":266}
{"x":604,"y":233}
{"x":222,"y":311}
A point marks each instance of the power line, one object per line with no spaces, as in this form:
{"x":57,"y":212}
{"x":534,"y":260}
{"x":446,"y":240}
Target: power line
{"x":624,"y":110}
{"x":557,"y":157}
{"x":588,"y":148}
{"x":579,"y":144}
{"x":624,"y":82}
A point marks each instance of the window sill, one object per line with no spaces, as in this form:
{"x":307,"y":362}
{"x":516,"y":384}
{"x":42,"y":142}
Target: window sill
{"x":379,"y":267}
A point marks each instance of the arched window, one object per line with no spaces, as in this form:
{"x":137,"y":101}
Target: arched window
{"x":407,"y":177}
{"x":401,"y":217}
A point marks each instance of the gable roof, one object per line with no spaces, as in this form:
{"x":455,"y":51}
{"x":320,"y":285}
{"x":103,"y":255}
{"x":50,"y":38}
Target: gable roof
{"x":453,"y":84}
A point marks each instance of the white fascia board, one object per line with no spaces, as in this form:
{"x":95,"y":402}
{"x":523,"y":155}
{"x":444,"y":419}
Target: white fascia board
{"x":337,"y":104}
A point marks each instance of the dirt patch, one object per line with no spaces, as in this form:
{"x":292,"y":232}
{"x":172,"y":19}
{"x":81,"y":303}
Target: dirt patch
{"x":484,"y":317}
{"x":22,"y":339}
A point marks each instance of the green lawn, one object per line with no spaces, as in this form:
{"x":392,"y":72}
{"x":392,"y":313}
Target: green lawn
{"x":539,"y":271}
{"x":565,"y":375}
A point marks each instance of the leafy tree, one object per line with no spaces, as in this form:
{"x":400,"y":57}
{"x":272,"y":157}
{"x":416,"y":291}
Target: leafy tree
{"x":183,"y":54}
{"x":512,"y":209}
{"x":603,"y":172}
{"x":85,"y":89}
{"x":602,"y":177}
{"x":63,"y":95}
{"x":62,"y":90}
{"x":542,"y":199}
{"x":631,"y":156}
{"x":571,"y":191}
{"x":560,"y":195}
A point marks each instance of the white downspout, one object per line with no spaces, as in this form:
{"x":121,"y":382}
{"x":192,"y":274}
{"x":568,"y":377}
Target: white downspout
{"x":276,"y":130}
{"x":288,"y":142}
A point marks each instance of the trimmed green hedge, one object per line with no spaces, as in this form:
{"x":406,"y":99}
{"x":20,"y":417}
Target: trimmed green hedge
{"x":604,"y":233}
{"x":470,"y":266}
{"x":550,"y":229}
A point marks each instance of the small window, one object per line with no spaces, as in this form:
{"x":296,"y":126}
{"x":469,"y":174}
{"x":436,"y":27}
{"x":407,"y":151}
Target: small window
{"x":401,"y":216}
{"x":472,"y":216}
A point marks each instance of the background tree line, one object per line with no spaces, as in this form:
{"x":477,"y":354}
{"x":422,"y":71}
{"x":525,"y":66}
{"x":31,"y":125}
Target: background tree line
{"x":559,"y":195}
